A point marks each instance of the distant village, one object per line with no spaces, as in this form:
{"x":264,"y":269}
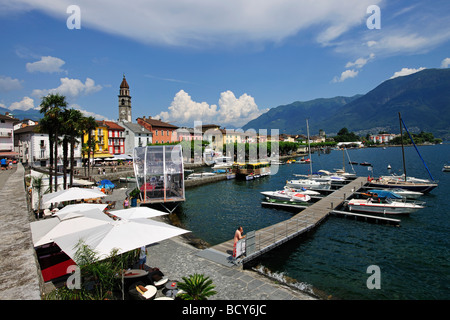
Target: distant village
{"x":115,"y":140}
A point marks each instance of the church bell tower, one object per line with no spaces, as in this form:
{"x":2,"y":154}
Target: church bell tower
{"x":124,"y":102}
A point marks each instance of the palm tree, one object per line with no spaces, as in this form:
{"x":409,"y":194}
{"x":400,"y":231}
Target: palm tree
{"x":37,"y":184}
{"x":72,"y":129}
{"x":52,"y":107}
{"x":88,"y":125}
{"x":196,"y":287}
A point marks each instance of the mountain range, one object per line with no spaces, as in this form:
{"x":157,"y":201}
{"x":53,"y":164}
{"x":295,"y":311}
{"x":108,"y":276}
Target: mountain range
{"x":422,"y":98}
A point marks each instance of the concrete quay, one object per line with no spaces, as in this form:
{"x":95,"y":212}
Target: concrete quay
{"x":20,"y":276}
{"x":176,"y":259}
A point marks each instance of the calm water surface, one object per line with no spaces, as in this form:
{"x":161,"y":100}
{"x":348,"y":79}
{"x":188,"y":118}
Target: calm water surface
{"x":413,"y":258}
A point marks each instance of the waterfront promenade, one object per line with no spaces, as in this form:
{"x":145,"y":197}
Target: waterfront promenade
{"x":20,"y":277}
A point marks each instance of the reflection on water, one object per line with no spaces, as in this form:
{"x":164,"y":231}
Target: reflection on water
{"x":334,"y":258}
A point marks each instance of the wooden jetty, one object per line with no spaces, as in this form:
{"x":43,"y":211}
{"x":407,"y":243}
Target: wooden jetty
{"x":271,"y":237}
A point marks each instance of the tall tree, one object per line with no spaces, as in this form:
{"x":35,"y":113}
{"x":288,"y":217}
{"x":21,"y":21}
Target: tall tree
{"x":88,"y":125}
{"x":72,"y":129}
{"x":52,"y":107}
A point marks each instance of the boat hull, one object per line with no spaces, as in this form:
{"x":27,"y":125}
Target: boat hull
{"x":384,"y":208}
{"x":416,"y":187}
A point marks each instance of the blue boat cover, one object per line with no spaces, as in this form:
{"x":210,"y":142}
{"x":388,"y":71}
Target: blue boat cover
{"x":386,"y":194}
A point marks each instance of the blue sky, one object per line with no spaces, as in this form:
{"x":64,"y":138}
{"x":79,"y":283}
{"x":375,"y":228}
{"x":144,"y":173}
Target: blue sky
{"x":215,"y":61}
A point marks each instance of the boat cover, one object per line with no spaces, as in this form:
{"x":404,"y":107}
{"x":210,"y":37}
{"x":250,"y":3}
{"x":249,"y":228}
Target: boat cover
{"x":386,"y":194}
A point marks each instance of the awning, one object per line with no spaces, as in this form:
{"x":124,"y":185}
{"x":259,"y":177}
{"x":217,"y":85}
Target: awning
{"x":8,"y":154}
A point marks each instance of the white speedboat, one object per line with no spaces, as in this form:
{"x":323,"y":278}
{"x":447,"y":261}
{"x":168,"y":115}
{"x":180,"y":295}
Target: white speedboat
{"x":387,"y":207}
{"x":303,"y":190}
{"x":309,"y":184}
{"x":285,"y":195}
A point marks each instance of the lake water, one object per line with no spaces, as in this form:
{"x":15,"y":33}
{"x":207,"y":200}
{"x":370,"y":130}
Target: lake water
{"x":413,"y":258}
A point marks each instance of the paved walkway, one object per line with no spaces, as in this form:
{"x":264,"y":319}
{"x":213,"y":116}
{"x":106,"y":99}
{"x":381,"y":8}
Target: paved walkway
{"x":177,"y":259}
{"x":19,"y":275}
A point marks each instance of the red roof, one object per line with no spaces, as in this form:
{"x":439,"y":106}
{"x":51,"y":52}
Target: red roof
{"x":124,"y":83}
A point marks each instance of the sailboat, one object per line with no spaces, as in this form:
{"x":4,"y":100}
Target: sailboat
{"x":309,"y":182}
{"x":409,"y":183}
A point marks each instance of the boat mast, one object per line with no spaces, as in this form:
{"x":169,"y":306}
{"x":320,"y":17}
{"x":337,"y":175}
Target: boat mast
{"x":309,"y":148}
{"x":403,"y":150}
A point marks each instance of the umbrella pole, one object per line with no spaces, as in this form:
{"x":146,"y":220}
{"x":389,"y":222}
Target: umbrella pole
{"x":123,"y":284}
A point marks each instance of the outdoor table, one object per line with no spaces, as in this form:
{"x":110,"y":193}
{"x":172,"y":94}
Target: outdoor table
{"x":172,"y":289}
{"x":134,"y":273}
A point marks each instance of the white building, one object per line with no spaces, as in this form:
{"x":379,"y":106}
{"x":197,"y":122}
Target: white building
{"x":33,"y":148}
{"x":382,"y":137}
{"x":135,"y":136}
{"x":7,"y":136}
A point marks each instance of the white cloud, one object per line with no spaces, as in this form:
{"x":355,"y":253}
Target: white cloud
{"x":347,"y":74}
{"x":25,"y":104}
{"x":46,"y":64}
{"x":445,"y":63}
{"x":9,"y":84}
{"x":405,"y":72}
{"x":360,"y":62}
{"x":89,"y":113}
{"x":200,"y":22}
{"x":230,"y":111}
{"x":71,"y":88}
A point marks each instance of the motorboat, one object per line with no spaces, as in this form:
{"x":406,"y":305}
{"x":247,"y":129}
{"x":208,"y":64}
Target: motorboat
{"x":308,"y":160}
{"x":388,"y":206}
{"x":381,"y":194}
{"x":286,"y":195}
{"x":304,"y":191}
{"x":367,"y":164}
{"x":446,"y":168}
{"x":309,"y":184}
{"x":199,"y":175}
{"x":323,"y":176}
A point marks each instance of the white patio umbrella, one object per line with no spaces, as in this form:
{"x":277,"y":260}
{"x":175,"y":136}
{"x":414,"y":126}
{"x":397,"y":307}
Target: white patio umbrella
{"x":45,"y":231}
{"x":72,"y":194}
{"x":137,"y":213}
{"x":124,"y":235}
{"x":79,"y":207}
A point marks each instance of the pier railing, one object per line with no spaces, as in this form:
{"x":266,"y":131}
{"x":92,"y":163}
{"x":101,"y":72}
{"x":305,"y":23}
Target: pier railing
{"x":264,"y":240}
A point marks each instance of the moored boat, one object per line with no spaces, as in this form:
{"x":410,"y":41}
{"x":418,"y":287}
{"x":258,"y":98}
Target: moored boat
{"x":250,"y":171}
{"x":309,"y":184}
{"x":383,"y":183}
{"x":387,"y":207}
{"x":286,"y":195}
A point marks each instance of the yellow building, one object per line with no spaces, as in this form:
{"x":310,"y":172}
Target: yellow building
{"x":100,"y":135}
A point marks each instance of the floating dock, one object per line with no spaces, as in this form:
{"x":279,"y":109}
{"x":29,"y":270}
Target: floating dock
{"x":264,"y":240}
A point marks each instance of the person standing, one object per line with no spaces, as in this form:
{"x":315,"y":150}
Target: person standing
{"x":237,"y":236}
{"x":4,"y":164}
{"x":142,"y":257}
{"x":126,"y":203}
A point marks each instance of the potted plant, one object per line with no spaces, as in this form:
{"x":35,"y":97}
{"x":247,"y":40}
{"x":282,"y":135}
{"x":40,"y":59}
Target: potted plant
{"x":134,"y":195}
{"x":196,"y":287}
